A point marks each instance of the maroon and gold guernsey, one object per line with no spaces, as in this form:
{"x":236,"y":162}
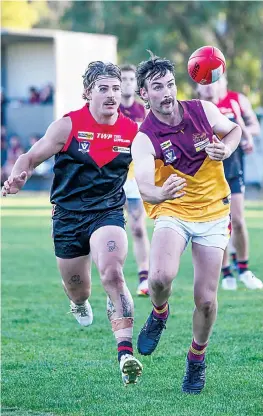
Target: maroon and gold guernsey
{"x":92,"y":167}
{"x":135,"y":112}
{"x":181,"y":149}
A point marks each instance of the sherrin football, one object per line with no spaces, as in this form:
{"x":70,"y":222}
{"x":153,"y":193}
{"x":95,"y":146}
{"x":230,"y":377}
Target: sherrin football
{"x":206,"y":65}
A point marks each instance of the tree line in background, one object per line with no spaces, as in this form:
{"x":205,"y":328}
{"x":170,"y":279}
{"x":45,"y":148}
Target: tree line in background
{"x":171,"y":29}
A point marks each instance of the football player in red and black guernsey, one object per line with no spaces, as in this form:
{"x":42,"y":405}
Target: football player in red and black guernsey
{"x":92,"y":156}
{"x":134,"y":205}
{"x":238,"y":109}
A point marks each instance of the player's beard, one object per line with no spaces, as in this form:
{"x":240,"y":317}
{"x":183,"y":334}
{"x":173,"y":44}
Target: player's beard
{"x":167,"y":111}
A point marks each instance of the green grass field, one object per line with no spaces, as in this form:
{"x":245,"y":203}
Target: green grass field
{"x":51,"y":366}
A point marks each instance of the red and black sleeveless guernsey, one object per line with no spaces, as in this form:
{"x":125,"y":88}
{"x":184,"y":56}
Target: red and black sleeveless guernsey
{"x":225,"y":105}
{"x":181,"y":149}
{"x":232,"y":165}
{"x":92,"y":167}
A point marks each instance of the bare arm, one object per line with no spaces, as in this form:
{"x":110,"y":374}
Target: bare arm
{"x":229,"y":132}
{"x":248,"y":143}
{"x":143,"y":155}
{"x":251,"y":118}
{"x":50,"y":144}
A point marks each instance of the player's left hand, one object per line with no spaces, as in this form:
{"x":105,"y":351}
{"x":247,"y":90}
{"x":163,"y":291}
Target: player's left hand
{"x":217,"y":150}
{"x":247,"y":145}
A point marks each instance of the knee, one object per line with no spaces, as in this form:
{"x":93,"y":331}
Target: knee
{"x":206,"y":306}
{"x":137,"y":230}
{"x":83,"y":295}
{"x":238,"y":224}
{"x":160,"y":281}
{"x":78,"y":295}
{"x":112,"y":275}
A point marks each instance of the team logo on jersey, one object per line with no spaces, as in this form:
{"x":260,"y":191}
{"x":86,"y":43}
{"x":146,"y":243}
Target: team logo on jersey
{"x":118,"y":138}
{"x":200,"y":141}
{"x":85,"y":135}
{"x":104,"y":136}
{"x":84,"y":147}
{"x":166,"y":144}
{"x":121,"y":149}
{"x":169,"y":156}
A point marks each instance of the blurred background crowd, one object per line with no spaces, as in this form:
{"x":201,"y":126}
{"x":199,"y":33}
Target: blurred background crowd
{"x":12,"y":145}
{"x":46,"y":46}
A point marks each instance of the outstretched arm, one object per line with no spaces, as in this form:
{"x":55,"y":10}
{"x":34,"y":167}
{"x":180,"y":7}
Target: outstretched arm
{"x":229,"y":133}
{"x":143,"y":155}
{"x":248,"y":143}
{"x":50,"y":144}
{"x":252,"y":123}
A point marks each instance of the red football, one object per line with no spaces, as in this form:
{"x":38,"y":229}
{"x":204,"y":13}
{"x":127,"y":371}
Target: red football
{"x":206,"y":65}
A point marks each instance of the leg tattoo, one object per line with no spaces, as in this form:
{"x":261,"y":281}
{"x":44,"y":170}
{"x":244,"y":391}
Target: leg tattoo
{"x":110,"y":308}
{"x":126,"y":306}
{"x":75,"y":280}
{"x":112,"y":246}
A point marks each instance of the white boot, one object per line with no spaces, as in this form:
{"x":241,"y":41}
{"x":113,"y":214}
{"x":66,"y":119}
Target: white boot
{"x":83,"y":313}
{"x":131,"y":369}
{"x":142,"y":289}
{"x":250,"y":281}
{"x":229,"y":283}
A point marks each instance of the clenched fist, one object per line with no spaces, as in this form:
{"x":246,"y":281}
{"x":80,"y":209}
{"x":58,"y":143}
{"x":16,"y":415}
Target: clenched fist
{"x":172,"y":186}
{"x":217,"y":150}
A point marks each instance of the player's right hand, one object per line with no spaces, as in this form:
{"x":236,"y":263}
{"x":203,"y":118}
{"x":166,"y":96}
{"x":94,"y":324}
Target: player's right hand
{"x":14,"y":183}
{"x":172,"y":187}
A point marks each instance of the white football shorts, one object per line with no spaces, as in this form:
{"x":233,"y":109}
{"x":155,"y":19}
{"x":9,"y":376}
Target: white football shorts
{"x":210,"y":233}
{"x":131,"y":189}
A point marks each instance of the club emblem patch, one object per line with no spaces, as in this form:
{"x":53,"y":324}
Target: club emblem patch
{"x":200,"y":141}
{"x":169,"y":156}
{"x":84,"y":147}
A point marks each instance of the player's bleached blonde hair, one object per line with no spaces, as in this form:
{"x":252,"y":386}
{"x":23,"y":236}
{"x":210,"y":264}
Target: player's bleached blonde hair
{"x":98,"y":69}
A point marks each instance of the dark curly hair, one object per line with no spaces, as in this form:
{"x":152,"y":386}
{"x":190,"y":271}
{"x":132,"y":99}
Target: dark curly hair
{"x":96,"y":69}
{"x":149,"y":69}
{"x":128,"y":67}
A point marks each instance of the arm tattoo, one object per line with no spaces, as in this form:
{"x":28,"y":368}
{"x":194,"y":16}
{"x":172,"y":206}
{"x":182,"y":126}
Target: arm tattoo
{"x":126,"y":306}
{"x":112,"y":246}
{"x":75,"y":279}
{"x":110,"y":308}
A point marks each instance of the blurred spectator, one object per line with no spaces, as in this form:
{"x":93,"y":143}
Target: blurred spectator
{"x":3,"y":106}
{"x":33,"y":139}
{"x":45,"y":169}
{"x":14,"y":150}
{"x":33,"y":96}
{"x":46,"y":94}
{"x":3,"y":153}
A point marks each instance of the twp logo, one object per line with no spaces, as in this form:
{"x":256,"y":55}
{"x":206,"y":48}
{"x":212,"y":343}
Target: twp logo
{"x":104,"y":136}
